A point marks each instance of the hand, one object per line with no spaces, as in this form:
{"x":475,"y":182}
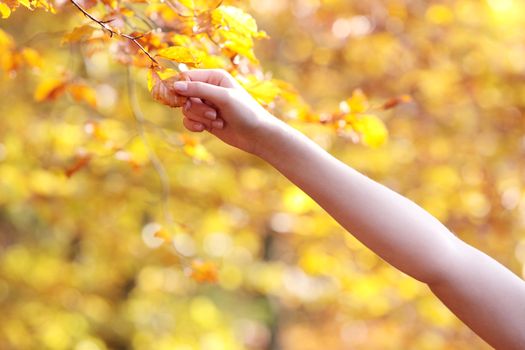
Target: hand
{"x":219,"y":104}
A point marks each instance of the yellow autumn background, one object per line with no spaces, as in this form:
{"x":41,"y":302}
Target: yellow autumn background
{"x":120,"y":230}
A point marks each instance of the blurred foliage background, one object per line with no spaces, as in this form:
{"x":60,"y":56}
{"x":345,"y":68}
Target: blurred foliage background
{"x":82,"y":266}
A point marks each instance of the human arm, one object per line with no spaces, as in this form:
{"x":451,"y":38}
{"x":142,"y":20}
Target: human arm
{"x":484,"y":294}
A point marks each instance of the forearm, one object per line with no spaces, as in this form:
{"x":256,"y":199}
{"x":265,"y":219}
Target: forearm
{"x":483,"y":293}
{"x":392,"y":226}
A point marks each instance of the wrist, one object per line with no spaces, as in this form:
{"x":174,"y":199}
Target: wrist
{"x":269,"y":138}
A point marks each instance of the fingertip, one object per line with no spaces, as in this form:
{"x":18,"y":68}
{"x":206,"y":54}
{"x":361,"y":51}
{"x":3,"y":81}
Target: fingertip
{"x":211,"y":114}
{"x":192,"y":125}
{"x":198,"y":126}
{"x":217,"y":124}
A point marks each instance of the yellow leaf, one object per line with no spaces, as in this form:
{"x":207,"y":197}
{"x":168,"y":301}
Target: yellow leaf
{"x":31,"y":57}
{"x":8,"y":6}
{"x":236,"y":20}
{"x":27,"y":4}
{"x":358,"y":103}
{"x":82,"y":92}
{"x":150,"y":79}
{"x":198,"y":152}
{"x":372,"y":129}
{"x":162,"y":74}
{"x":200,"y":5}
{"x":78,"y":34}
{"x":5,"y":11}
{"x":114,"y":4}
{"x":163,"y":234}
{"x":6,"y":41}
{"x":50,"y":89}
{"x":161,"y":10}
{"x":179,"y":39}
{"x":238,"y":43}
{"x":182,"y":54}
{"x":213,"y":61}
{"x":33,"y":4}
{"x":237,"y":29}
{"x":194,"y":149}
{"x":264,"y":91}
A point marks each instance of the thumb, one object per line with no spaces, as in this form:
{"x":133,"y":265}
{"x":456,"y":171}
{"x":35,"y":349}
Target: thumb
{"x":210,"y":92}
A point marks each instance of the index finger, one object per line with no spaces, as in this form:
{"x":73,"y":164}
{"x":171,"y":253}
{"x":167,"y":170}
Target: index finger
{"x":217,"y":77}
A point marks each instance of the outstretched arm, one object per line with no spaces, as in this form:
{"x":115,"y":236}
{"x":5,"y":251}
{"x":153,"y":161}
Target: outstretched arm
{"x":484,"y":294}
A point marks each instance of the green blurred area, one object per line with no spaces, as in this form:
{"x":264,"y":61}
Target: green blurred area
{"x":80,"y":270}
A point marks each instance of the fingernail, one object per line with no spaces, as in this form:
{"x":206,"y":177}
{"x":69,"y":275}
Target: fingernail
{"x":210,"y":115}
{"x":180,"y":86}
{"x":217,"y":124}
{"x":187,"y":105}
{"x":199,"y":126}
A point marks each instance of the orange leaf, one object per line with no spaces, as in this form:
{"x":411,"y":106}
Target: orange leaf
{"x":78,"y":34}
{"x":164,"y":92}
{"x":195,"y":150}
{"x":81,"y":160}
{"x":396,"y":101}
{"x":203,"y":271}
{"x":163,"y":234}
{"x":50,"y":89}
{"x":94,"y":129}
{"x":81,"y":92}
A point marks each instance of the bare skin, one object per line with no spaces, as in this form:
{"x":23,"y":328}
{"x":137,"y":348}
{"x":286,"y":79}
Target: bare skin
{"x":484,"y":294}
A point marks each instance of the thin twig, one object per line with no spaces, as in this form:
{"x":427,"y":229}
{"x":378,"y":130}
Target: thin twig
{"x":107,"y":28}
{"x":155,"y":161}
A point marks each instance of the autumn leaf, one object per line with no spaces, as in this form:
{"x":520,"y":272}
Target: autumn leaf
{"x":163,"y":90}
{"x":6,"y":41}
{"x":193,"y":148}
{"x":396,"y":101}
{"x":237,"y":30}
{"x":372,"y":129}
{"x":265,"y":91}
{"x":31,"y":57}
{"x":114,"y":4}
{"x":8,"y":6}
{"x":50,"y":89}
{"x":82,"y":92}
{"x":81,"y":161}
{"x":94,"y":129}
{"x":163,"y":74}
{"x":163,"y":234}
{"x":34,"y":4}
{"x":214,"y":61}
{"x":5,"y":11}
{"x":199,"y":6}
{"x":237,"y":21}
{"x":78,"y":34}
{"x":181,"y":54}
{"x":357,"y":103}
{"x":203,"y":271}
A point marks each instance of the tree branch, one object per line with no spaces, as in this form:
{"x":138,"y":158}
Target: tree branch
{"x":107,"y":28}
